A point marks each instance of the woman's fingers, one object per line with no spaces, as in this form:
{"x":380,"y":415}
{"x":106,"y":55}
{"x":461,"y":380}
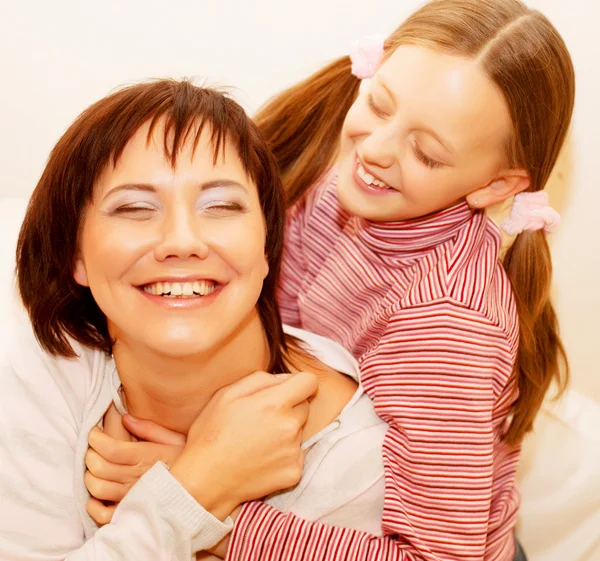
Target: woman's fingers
{"x":251,"y":384}
{"x":152,"y":432}
{"x":125,"y":462}
{"x":104,"y":469}
{"x":113,"y":425}
{"x":111,"y":449}
{"x":105,"y":490}
{"x":99,"y":512}
{"x":300,"y":413}
{"x":294,"y":390}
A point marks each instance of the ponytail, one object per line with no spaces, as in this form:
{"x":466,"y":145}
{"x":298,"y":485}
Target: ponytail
{"x":302,"y":125}
{"x":541,"y":358}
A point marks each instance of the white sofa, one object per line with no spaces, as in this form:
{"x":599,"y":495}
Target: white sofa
{"x":560,"y":469}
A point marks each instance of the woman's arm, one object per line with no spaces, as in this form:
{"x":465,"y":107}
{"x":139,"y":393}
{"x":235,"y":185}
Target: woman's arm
{"x":41,"y":408}
{"x":42,"y":516}
{"x":441,"y":378}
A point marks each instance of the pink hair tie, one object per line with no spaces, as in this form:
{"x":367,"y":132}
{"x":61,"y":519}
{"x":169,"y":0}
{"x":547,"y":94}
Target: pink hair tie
{"x":366,"y":55}
{"x":530,"y":211}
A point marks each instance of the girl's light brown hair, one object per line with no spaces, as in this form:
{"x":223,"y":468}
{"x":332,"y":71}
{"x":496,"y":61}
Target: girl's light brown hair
{"x":526,"y":58}
{"x":58,"y":307}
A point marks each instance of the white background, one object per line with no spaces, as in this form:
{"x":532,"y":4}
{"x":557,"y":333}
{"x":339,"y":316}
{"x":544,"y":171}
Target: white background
{"x":57,"y":57}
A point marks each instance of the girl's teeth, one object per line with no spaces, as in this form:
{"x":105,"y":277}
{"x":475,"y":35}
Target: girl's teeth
{"x":369,"y":179}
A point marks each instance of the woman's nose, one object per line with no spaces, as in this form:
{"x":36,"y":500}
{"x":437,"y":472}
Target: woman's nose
{"x":181,"y":238}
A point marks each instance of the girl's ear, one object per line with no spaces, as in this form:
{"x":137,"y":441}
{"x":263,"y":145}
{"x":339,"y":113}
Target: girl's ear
{"x":503,"y":187}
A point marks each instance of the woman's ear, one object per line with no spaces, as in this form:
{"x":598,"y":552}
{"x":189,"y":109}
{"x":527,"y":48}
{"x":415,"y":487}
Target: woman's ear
{"x":504,"y":186}
{"x":266,"y":266}
{"x":80,"y":273}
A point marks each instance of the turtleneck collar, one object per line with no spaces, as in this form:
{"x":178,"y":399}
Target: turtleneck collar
{"x":406,"y":238}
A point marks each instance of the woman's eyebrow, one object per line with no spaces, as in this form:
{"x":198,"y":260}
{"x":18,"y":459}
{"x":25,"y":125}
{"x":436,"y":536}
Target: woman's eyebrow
{"x":145,"y":187}
{"x":217,"y":183}
{"x":149,"y":188}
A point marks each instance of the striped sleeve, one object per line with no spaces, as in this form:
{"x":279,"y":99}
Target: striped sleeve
{"x":439,"y":376}
{"x":296,"y":262}
{"x":292,"y":266}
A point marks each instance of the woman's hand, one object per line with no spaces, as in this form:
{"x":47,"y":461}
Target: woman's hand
{"x":246,"y":443}
{"x":115,"y":460}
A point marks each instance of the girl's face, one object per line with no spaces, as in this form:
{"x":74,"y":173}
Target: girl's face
{"x":426,"y":131}
{"x":174,"y":257}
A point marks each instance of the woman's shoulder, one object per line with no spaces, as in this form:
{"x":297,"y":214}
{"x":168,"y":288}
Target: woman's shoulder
{"x":340,"y":399}
{"x":327,"y":351}
{"x":42,"y":380}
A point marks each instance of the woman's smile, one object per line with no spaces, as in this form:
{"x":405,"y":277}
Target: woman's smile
{"x":182,"y":294}
{"x":189,"y":239}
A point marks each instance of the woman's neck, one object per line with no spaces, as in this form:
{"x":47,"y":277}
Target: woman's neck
{"x":172,"y":391}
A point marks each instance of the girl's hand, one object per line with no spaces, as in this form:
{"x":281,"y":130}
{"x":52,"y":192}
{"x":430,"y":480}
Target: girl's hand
{"x":246,"y":443}
{"x":115,"y":460}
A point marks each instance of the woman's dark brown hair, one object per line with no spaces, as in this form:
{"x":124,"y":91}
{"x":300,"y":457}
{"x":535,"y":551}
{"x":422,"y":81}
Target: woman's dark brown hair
{"x":59,"y":308}
{"x":524,"y":55}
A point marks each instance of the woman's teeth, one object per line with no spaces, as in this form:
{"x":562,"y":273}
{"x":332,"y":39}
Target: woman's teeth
{"x":369,"y":179}
{"x":181,"y":289}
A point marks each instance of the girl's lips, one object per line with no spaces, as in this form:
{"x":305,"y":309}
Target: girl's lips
{"x":369,"y":189}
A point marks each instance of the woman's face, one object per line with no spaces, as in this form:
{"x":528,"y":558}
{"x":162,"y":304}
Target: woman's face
{"x":427,"y":130}
{"x":174,"y":257}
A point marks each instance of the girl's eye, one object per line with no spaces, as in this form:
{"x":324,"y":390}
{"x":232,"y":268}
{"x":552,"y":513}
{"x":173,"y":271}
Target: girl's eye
{"x":374,"y":108}
{"x":426,"y":159}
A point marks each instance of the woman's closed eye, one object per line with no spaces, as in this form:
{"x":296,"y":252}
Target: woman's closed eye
{"x":138,"y":210}
{"x":425,"y":159}
{"x":223,"y":208}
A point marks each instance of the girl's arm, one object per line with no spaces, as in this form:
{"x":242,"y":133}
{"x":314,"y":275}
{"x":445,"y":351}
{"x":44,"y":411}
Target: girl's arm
{"x":441,"y":377}
{"x":294,"y":267}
